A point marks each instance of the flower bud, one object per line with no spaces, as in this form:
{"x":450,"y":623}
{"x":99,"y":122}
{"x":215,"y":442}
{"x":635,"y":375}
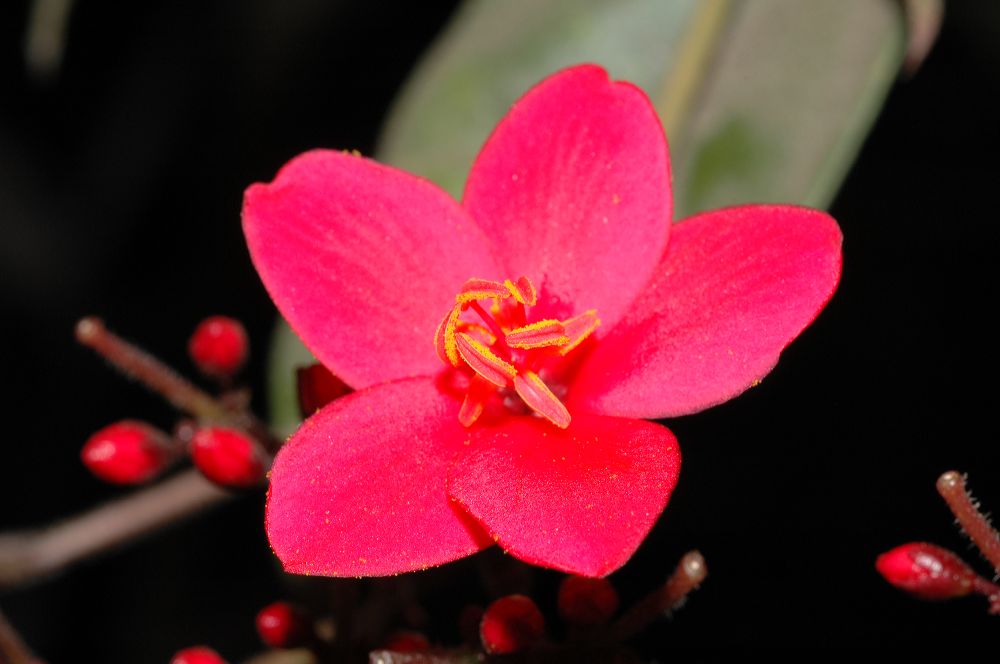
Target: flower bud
{"x":197,"y":655}
{"x":511,"y":624}
{"x":318,"y":386}
{"x":219,"y":346}
{"x":127,"y":452}
{"x":407,"y":641}
{"x":587,"y":602}
{"x":228,"y":457}
{"x":927,"y":571}
{"x":283,"y":625}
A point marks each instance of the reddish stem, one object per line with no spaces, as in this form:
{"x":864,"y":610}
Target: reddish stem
{"x":151,"y":372}
{"x":688,"y":575}
{"x":952,"y":487}
{"x":13,"y":650}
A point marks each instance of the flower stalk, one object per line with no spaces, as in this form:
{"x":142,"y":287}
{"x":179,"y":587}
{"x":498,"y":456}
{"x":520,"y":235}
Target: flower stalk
{"x":687,"y":576}
{"x":952,"y":487}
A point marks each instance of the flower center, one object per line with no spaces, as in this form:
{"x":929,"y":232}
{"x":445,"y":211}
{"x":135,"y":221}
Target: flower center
{"x":504,"y":351}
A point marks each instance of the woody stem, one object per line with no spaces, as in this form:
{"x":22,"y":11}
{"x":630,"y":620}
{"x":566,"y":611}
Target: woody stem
{"x":29,"y":555}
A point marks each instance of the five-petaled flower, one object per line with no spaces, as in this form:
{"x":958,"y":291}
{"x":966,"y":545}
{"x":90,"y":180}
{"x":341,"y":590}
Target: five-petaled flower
{"x":505,"y":350}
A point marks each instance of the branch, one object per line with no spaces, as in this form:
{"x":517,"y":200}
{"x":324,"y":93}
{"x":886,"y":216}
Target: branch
{"x":30,"y":555}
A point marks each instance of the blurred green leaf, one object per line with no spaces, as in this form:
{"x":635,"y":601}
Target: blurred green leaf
{"x":494,"y":51}
{"x":286,"y":355}
{"x":763,"y":101}
{"x":783,"y":109}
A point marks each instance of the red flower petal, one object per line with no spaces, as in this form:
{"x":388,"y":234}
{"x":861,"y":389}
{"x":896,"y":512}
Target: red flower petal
{"x":362,"y":260}
{"x":735,"y":287}
{"x":573,"y":187}
{"x":580,"y":500}
{"x":359,"y":490}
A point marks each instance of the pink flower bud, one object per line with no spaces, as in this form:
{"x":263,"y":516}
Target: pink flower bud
{"x":219,"y":346}
{"x":127,"y":452}
{"x":587,"y":601}
{"x":927,"y":571}
{"x":318,"y":387}
{"x":283,"y":625}
{"x":407,"y":641}
{"x":511,"y":624}
{"x":197,"y":655}
{"x":228,"y":457}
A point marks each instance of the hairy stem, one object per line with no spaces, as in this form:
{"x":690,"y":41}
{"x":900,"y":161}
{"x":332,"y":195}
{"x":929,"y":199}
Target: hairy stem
{"x":688,"y":575}
{"x":151,"y":372}
{"x":952,"y":487}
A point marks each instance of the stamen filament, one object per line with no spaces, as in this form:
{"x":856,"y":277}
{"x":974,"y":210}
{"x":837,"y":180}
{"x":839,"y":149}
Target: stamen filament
{"x":493,"y":325}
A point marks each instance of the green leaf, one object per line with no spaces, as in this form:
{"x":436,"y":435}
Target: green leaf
{"x":287,"y":354}
{"x":494,"y":51}
{"x":763,"y":101}
{"x":791,"y":92}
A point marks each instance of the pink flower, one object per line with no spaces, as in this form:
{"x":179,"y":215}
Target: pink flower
{"x":470,"y":425}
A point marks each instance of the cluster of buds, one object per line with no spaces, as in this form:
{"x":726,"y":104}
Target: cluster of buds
{"x":511,"y":625}
{"x":932,"y":572}
{"x":224,"y":441}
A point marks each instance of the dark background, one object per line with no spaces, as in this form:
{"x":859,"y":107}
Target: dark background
{"x":120,"y":188}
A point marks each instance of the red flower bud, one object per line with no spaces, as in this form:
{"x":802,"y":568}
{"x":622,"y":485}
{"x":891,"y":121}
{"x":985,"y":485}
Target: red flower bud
{"x":127,"y":452}
{"x":283,"y":625}
{"x":318,"y":387}
{"x":197,"y":655}
{"x":586,"y":601}
{"x":407,"y":641}
{"x":219,"y":346}
{"x":510,"y":625}
{"x":228,"y":457}
{"x":927,"y":571}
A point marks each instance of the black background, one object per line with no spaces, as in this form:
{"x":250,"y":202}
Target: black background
{"x":120,"y":189}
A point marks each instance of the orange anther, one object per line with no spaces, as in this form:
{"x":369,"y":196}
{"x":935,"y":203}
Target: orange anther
{"x":534,"y":392}
{"x":444,"y":337}
{"x":538,"y":335}
{"x":484,"y":361}
{"x":475,"y":401}
{"x":579,"y":328}
{"x":481,"y":289}
{"x":523,"y":291}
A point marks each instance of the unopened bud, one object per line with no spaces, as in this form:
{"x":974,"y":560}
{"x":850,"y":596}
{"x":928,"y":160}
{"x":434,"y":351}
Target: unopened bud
{"x":283,"y":625}
{"x":228,"y":457}
{"x":127,"y":452}
{"x":587,"y":602}
{"x":318,"y":386}
{"x":407,"y":641}
{"x":511,"y":624}
{"x":219,"y":346}
{"x":197,"y":655}
{"x":927,"y":571}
